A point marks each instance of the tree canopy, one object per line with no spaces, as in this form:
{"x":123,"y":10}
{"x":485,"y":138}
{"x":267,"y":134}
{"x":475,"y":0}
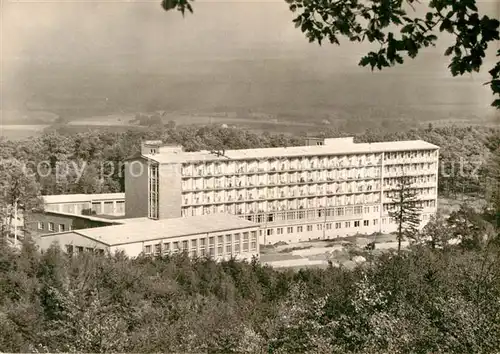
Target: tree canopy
{"x":392,"y":24}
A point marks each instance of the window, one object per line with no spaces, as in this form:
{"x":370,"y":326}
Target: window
{"x":269,"y":232}
{"x":376,"y":209}
{"x":202,"y":246}
{"x":300,"y":228}
{"x":229,"y":246}
{"x":309,"y":228}
{"x":329,"y":226}
{"x":289,"y":229}
{"x":338,"y":225}
{"x":147,"y":249}
{"x":158,"y":248}
{"x":220,"y":245}
{"x":194,"y":244}
{"x":253,"y":241}
{"x":375,"y":221}
{"x":69,"y":249}
{"x":319,"y":227}
{"x":367,"y":209}
{"x":356,"y":224}
{"x":211,"y":246}
{"x":166,"y":247}
{"x":348,"y":224}
{"x":51,"y":226}
{"x":41,"y":226}
{"x":120,"y":207}
{"x":366,"y":223}
{"x":88,"y":249}
{"x":176,"y":247}
{"x":153,"y":192}
{"x":108,"y":208}
{"x":61,"y":227}
{"x":97,"y":208}
{"x":358,"y":210}
{"x":237,"y":243}
{"x":279,"y":231}
{"x":184,"y":245}
{"x":79,"y":249}
{"x":245,"y":241}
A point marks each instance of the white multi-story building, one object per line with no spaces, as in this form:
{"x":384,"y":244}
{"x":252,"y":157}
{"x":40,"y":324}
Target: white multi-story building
{"x":334,"y":188}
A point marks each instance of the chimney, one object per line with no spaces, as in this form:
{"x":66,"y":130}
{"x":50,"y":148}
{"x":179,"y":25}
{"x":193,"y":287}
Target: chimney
{"x":151,"y":147}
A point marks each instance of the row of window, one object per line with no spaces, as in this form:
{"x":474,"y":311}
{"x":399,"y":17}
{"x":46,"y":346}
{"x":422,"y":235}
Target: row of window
{"x":305,"y":163}
{"x":407,"y":155}
{"x":220,"y":245}
{"x":52,"y":227}
{"x":205,"y":181}
{"x":412,"y":180}
{"x":330,"y":226}
{"x":274,"y":164}
{"x":319,"y":227}
{"x":286,"y":202}
{"x":285,"y":205}
{"x":409,"y":168}
{"x":416,"y":192}
{"x":419,"y":204}
{"x":71,"y":249}
{"x":259,"y":192}
{"x":106,"y":208}
{"x":315,"y":213}
{"x":109,"y":208}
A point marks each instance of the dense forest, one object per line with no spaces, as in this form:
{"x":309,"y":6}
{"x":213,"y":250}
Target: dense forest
{"x":465,"y":157}
{"x":434,"y":298}
{"x":423,"y":301}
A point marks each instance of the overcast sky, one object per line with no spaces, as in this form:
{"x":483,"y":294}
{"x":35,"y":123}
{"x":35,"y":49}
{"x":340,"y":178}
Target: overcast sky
{"x":140,"y":38}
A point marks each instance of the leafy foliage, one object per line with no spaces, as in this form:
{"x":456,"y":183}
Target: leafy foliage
{"x":376,"y":21}
{"x":419,"y":302}
{"x":91,"y":162}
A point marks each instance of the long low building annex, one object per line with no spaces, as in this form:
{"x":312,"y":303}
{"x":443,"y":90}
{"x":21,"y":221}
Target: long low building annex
{"x":219,"y":236}
{"x":90,"y":204}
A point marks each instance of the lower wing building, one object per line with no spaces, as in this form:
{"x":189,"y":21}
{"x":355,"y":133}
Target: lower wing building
{"x":218,"y":236}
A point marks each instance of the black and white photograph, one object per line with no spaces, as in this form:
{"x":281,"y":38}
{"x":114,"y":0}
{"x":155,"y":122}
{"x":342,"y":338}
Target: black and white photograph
{"x":250,"y":176}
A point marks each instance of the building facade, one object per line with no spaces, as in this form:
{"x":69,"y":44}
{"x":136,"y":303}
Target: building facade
{"x":46,"y":222}
{"x":97,"y":204}
{"x":217,"y":236}
{"x":332,"y":189}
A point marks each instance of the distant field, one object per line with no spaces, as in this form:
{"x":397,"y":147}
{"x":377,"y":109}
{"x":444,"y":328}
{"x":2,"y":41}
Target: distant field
{"x":19,"y":132}
{"x":110,"y":120}
{"x":17,"y":117}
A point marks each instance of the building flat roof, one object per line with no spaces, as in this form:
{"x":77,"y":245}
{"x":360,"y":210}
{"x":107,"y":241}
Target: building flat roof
{"x":341,"y":147}
{"x":74,"y":198}
{"x":141,"y":230}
